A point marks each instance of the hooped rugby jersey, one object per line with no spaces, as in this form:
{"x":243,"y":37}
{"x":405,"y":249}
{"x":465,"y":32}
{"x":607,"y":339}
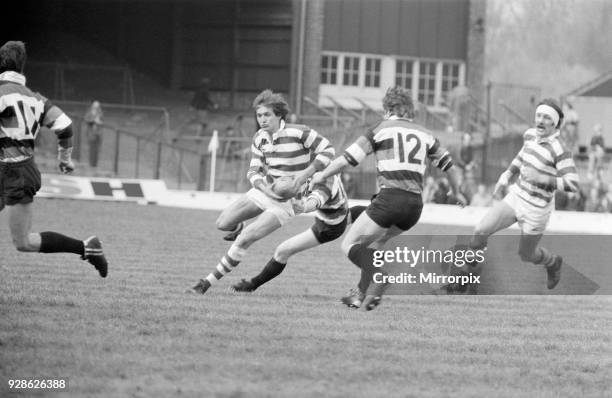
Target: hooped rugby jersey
{"x":332,"y":201}
{"x":401,"y":148}
{"x":22,"y":113}
{"x":288,"y":151}
{"x":549,"y":157}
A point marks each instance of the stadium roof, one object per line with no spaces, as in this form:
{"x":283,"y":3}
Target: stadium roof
{"x":598,"y":87}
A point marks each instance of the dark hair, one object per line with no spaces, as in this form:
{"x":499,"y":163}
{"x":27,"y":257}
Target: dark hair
{"x":553,"y":104}
{"x":12,"y":56}
{"x":273,"y":100}
{"x":398,"y":101}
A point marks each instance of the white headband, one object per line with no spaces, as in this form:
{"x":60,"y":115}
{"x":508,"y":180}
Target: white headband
{"x":550,"y":111}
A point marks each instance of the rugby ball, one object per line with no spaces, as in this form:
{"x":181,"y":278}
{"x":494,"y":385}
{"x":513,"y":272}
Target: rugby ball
{"x":283,"y":187}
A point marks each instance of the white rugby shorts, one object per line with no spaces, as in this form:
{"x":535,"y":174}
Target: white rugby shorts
{"x":282,"y":210}
{"x":531,"y":219}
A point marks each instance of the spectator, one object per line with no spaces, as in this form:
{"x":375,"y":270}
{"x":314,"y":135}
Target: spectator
{"x":202,"y":103}
{"x":93,"y":131}
{"x":593,"y":202}
{"x":482,"y":197}
{"x":570,"y":133}
{"x":561,"y":200}
{"x":575,"y":201}
{"x":429,"y":189}
{"x":466,"y":153}
{"x":440,"y":195}
{"x":596,"y":151}
{"x":459,"y":107}
{"x":607,"y":200}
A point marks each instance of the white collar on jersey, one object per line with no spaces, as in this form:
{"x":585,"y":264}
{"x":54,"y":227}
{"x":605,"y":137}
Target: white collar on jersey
{"x":395,"y":117}
{"x":548,"y":138}
{"x":14,"y":77}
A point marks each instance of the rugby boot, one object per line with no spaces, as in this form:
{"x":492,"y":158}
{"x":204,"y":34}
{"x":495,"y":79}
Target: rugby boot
{"x":94,"y":255}
{"x":200,"y":288}
{"x":374,"y":296}
{"x":553,"y":273}
{"x":354,"y":298}
{"x":244,"y":286}
{"x":232,"y":235}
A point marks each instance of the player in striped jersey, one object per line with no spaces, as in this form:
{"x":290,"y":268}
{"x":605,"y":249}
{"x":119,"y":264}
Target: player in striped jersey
{"x":22,"y":113}
{"x":401,"y":148}
{"x":278,"y":150}
{"x":331,"y":218}
{"x":542,"y":166}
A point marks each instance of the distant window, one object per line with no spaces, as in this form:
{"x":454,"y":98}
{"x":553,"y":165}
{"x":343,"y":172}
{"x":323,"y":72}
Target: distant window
{"x":372,"y":72}
{"x":450,"y":78}
{"x":427,"y":83}
{"x":403,"y":73}
{"x":350,"y":76}
{"x":329,"y":69}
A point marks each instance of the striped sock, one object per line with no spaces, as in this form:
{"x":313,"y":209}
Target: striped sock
{"x":546,"y":258}
{"x":226,"y":264}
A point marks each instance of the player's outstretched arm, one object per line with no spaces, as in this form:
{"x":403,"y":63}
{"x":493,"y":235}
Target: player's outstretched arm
{"x":335,"y":167}
{"x":57,"y":121}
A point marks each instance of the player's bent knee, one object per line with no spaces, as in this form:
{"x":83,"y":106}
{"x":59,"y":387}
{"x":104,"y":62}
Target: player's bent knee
{"x":223,"y":224}
{"x":346,"y":247}
{"x":282,"y":253}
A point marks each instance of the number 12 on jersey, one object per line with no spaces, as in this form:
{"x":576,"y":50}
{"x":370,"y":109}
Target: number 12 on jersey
{"x":409,"y":148}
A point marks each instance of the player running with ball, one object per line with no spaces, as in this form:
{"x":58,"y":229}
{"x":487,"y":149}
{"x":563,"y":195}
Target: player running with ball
{"x":330,"y":202}
{"x":278,"y":150}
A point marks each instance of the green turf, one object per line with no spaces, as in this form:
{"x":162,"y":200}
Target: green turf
{"x":137,"y":334}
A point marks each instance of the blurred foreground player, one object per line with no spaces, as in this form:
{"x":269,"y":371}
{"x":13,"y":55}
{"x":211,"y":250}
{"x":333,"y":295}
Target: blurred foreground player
{"x":279,"y":150}
{"x":22,"y":113}
{"x":542,"y":166}
{"x":401,"y":148}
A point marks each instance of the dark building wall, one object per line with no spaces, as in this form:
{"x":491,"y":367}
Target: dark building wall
{"x":420,"y":28}
{"x":244,"y":45}
{"x":138,"y":31}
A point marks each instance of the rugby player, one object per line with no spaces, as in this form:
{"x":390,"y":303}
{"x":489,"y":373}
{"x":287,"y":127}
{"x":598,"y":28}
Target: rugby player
{"x":22,"y":113}
{"x":331,"y":218}
{"x":278,"y":150}
{"x":542,"y":166}
{"x":401,"y":148}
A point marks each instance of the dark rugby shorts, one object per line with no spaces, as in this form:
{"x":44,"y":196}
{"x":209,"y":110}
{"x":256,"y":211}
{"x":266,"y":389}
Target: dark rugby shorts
{"x":326,"y":232}
{"x":19,"y":182}
{"x":397,"y":207}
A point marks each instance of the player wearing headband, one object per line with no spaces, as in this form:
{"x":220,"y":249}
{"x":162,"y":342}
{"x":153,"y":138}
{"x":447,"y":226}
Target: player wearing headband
{"x":542,"y":166}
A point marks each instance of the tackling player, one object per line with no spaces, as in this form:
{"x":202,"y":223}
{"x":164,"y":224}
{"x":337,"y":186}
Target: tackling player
{"x":331,"y":218}
{"x":278,"y":150}
{"x":401,"y":148}
{"x":542,"y":166}
{"x":22,"y":113}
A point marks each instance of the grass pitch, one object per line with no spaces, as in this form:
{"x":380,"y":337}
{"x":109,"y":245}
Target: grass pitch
{"x":136,"y":334}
